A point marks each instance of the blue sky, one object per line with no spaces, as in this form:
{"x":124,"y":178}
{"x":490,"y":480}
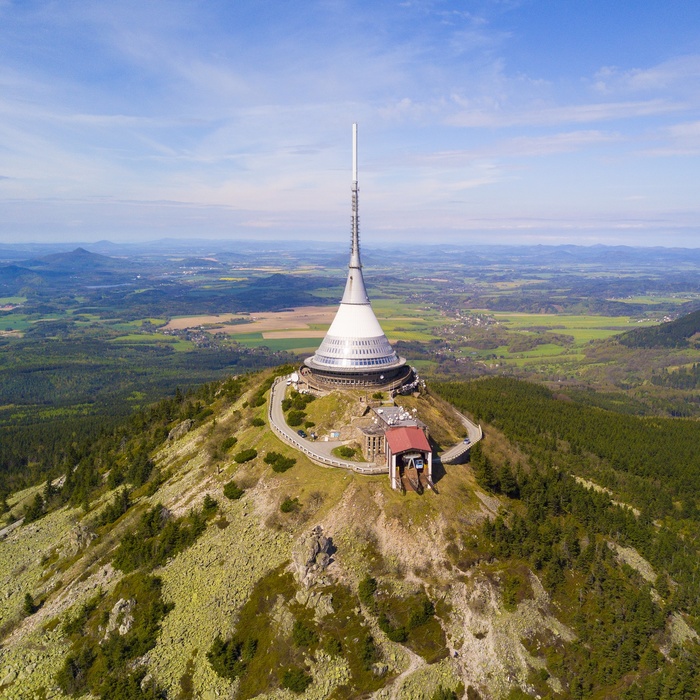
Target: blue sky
{"x":498,"y":121}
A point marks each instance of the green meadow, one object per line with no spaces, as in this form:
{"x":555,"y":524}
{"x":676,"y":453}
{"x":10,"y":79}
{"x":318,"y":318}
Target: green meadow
{"x":256,"y":340}
{"x":658,"y":299}
{"x":15,"y":322}
{"x":177,"y":344}
{"x":582,"y":328}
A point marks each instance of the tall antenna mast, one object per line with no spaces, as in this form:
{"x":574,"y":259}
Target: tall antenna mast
{"x":355,"y":244}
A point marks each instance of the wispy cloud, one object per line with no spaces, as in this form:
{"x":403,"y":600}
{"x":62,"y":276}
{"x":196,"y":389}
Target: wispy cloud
{"x":567,"y":114}
{"x":681,"y":139}
{"x":680,"y":74}
{"x":241,"y":112}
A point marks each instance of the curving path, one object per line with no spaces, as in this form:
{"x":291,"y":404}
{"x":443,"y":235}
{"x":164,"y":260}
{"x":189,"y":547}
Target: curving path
{"x":475,"y":434}
{"x":321,"y":452}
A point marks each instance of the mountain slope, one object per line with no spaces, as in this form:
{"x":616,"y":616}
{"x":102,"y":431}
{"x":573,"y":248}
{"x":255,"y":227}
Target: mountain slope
{"x":516,"y":580}
{"x":673,"y":334}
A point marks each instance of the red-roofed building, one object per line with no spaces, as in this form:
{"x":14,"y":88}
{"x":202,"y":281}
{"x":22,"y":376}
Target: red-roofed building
{"x":409,"y":458}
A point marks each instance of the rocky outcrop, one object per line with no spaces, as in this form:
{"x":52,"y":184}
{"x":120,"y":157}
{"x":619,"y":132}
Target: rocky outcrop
{"x":179,"y":430}
{"x":121,"y":617}
{"x":310,"y":558}
{"x":80,"y":537}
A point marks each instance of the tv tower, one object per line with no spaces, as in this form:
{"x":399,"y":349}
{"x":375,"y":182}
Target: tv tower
{"x":355,"y":351}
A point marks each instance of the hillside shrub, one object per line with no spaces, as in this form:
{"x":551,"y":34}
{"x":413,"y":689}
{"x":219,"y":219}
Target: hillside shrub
{"x":245,"y":455}
{"x":420,"y":614}
{"x":104,"y":667}
{"x":159,"y":537}
{"x":289,"y":505}
{"x":332,"y":646}
{"x":368,"y":651}
{"x":228,"y":443}
{"x":279,"y":462}
{"x":300,"y":401}
{"x":295,"y":418}
{"x":34,"y":510}
{"x":395,"y":634}
{"x":345,"y":451}
{"x":233,"y":491}
{"x":116,"y":508}
{"x":257,"y":422}
{"x":296,"y":680}
{"x":366,"y":591}
{"x":209,"y":506}
{"x":230,"y":658}
{"x":303,"y":635}
{"x":29,"y":607}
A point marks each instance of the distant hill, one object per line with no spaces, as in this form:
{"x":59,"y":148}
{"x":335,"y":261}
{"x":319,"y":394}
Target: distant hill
{"x":67,"y":268}
{"x":674,"y":334}
{"x":78,"y":260}
{"x":12,"y":272}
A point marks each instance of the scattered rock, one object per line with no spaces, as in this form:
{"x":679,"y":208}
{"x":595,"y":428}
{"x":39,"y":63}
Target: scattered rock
{"x":282,"y":616}
{"x":322,"y":603}
{"x":9,"y":677}
{"x":179,"y":430}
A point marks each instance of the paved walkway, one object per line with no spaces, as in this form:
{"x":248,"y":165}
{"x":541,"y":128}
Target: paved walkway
{"x":318,"y":451}
{"x":321,"y":451}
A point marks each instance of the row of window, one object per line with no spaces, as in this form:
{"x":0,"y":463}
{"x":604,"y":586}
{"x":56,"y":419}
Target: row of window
{"x":380,"y":340}
{"x":353,"y":351}
{"x":361,"y":362}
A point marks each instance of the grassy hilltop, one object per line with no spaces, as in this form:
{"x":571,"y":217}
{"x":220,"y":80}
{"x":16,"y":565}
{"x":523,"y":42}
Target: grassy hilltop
{"x":178,"y":558}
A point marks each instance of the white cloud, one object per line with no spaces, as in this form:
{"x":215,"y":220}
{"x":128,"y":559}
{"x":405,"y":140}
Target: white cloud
{"x":567,"y":114}
{"x":678,"y":75}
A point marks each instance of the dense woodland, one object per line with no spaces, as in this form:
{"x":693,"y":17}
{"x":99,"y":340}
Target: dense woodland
{"x":57,"y":394}
{"x":565,"y":527}
{"x":653,"y":461}
{"x":674,"y":334}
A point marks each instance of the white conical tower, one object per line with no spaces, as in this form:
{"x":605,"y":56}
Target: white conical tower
{"x":355,"y":349}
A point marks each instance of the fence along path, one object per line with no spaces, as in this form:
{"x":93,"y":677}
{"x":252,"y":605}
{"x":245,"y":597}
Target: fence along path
{"x":313,"y":450}
{"x":320,"y":452}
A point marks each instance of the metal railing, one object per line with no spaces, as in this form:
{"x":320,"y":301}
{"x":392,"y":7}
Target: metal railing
{"x":312,"y":455}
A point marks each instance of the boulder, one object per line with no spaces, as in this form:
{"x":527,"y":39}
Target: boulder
{"x":121,"y":617}
{"x":179,"y":430}
{"x":80,"y":537}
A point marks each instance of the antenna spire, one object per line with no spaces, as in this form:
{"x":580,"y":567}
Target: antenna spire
{"x":355,"y":243}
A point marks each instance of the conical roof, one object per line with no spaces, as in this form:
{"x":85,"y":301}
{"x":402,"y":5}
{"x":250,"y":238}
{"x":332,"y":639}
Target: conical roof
{"x":355,"y":341}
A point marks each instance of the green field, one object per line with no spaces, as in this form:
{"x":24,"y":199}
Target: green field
{"x":15,"y":322}
{"x":549,"y":355}
{"x":658,"y":299}
{"x":256,"y":340}
{"x":177,"y":344}
{"x":582,"y":328}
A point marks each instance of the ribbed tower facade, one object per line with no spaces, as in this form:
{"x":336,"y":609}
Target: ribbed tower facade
{"x":355,"y":350}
